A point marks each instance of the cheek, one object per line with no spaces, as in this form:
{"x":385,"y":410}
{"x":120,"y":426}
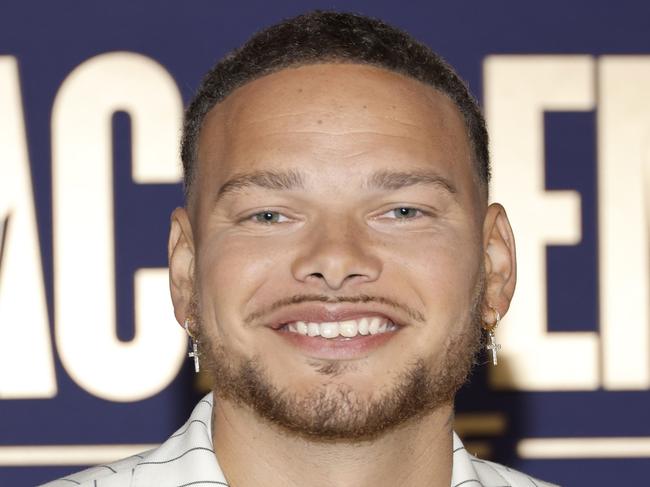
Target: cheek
{"x":451,"y":270}
{"x":231,"y":276}
{"x":443,"y":272}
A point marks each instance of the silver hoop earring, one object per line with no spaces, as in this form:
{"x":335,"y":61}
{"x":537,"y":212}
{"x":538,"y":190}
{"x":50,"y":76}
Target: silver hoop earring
{"x":492,"y":345}
{"x":193,"y":347}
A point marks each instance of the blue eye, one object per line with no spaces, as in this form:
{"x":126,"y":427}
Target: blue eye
{"x":266,"y":217}
{"x":405,"y":213}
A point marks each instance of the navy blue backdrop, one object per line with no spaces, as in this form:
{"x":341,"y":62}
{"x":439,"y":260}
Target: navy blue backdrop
{"x":49,"y":40}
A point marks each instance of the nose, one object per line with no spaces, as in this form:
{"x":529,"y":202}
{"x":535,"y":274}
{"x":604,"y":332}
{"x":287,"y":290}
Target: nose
{"x":337,"y":254}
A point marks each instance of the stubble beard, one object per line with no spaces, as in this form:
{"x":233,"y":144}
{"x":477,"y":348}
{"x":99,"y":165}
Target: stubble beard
{"x":339,"y":412}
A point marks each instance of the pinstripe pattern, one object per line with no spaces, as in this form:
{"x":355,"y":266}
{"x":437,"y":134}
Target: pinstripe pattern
{"x":187,"y":459}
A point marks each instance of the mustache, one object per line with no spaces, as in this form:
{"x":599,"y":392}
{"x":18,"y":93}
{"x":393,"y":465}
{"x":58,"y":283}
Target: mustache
{"x":320,"y":298}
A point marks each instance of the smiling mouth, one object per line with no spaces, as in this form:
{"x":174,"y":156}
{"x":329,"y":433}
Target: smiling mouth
{"x":374,"y":325}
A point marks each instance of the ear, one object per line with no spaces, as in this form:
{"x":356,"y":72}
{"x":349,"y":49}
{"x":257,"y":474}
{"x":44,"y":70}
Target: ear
{"x":180,"y":251}
{"x":500,"y":262}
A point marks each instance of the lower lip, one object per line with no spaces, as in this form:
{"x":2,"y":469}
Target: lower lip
{"x":337,"y":348}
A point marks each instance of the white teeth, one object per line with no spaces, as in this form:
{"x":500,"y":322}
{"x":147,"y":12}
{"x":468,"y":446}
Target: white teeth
{"x":373,"y":326}
{"x":348,"y":329}
{"x":302,"y":327}
{"x":329,"y":330}
{"x":313,"y":330}
{"x":363,"y":326}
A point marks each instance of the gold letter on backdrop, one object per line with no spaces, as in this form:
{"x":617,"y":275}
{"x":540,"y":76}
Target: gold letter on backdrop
{"x":624,"y":223}
{"x":84,"y":260}
{"x":24,"y":322}
{"x":518,"y":89}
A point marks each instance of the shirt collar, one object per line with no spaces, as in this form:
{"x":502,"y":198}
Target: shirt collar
{"x":188,"y":456}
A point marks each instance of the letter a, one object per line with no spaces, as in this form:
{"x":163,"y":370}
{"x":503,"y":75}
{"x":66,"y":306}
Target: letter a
{"x":26,"y":363}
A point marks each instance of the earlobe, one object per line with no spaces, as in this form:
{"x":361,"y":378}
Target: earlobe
{"x":180,"y":251}
{"x":500,"y":260}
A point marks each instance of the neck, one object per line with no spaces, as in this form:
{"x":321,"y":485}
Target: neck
{"x":253,"y":453}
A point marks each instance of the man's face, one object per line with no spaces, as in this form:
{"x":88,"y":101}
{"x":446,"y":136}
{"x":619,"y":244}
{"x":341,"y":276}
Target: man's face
{"x":358,"y":204}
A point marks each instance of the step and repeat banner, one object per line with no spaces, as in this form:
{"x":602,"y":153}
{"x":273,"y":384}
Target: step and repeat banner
{"x":92,"y":362}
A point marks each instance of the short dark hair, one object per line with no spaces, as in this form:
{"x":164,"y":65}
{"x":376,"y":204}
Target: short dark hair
{"x":324,"y":37}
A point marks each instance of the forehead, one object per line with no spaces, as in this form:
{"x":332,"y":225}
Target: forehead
{"x":331,"y":117}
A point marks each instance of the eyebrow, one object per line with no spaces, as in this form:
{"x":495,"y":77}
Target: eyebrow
{"x":277,"y":180}
{"x":393,"y":180}
{"x":267,"y":179}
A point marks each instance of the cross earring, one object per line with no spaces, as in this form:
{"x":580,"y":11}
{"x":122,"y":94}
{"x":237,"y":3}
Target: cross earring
{"x":193,"y":347}
{"x":492,"y":345}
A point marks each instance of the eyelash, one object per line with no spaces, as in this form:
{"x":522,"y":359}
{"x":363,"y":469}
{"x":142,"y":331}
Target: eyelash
{"x":267,"y":212}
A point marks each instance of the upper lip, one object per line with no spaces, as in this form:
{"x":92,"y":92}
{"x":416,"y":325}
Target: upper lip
{"x":320,"y":313}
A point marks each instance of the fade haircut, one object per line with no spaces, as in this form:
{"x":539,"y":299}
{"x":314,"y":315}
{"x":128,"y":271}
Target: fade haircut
{"x":331,"y":37}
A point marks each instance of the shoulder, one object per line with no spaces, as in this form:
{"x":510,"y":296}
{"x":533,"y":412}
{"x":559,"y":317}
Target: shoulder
{"x":116,"y":474}
{"x":494,"y":474}
{"x":472,"y":471}
{"x":186,"y":457}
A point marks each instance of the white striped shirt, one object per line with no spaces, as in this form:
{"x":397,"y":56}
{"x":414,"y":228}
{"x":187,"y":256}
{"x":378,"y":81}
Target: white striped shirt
{"x":187,"y":458}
